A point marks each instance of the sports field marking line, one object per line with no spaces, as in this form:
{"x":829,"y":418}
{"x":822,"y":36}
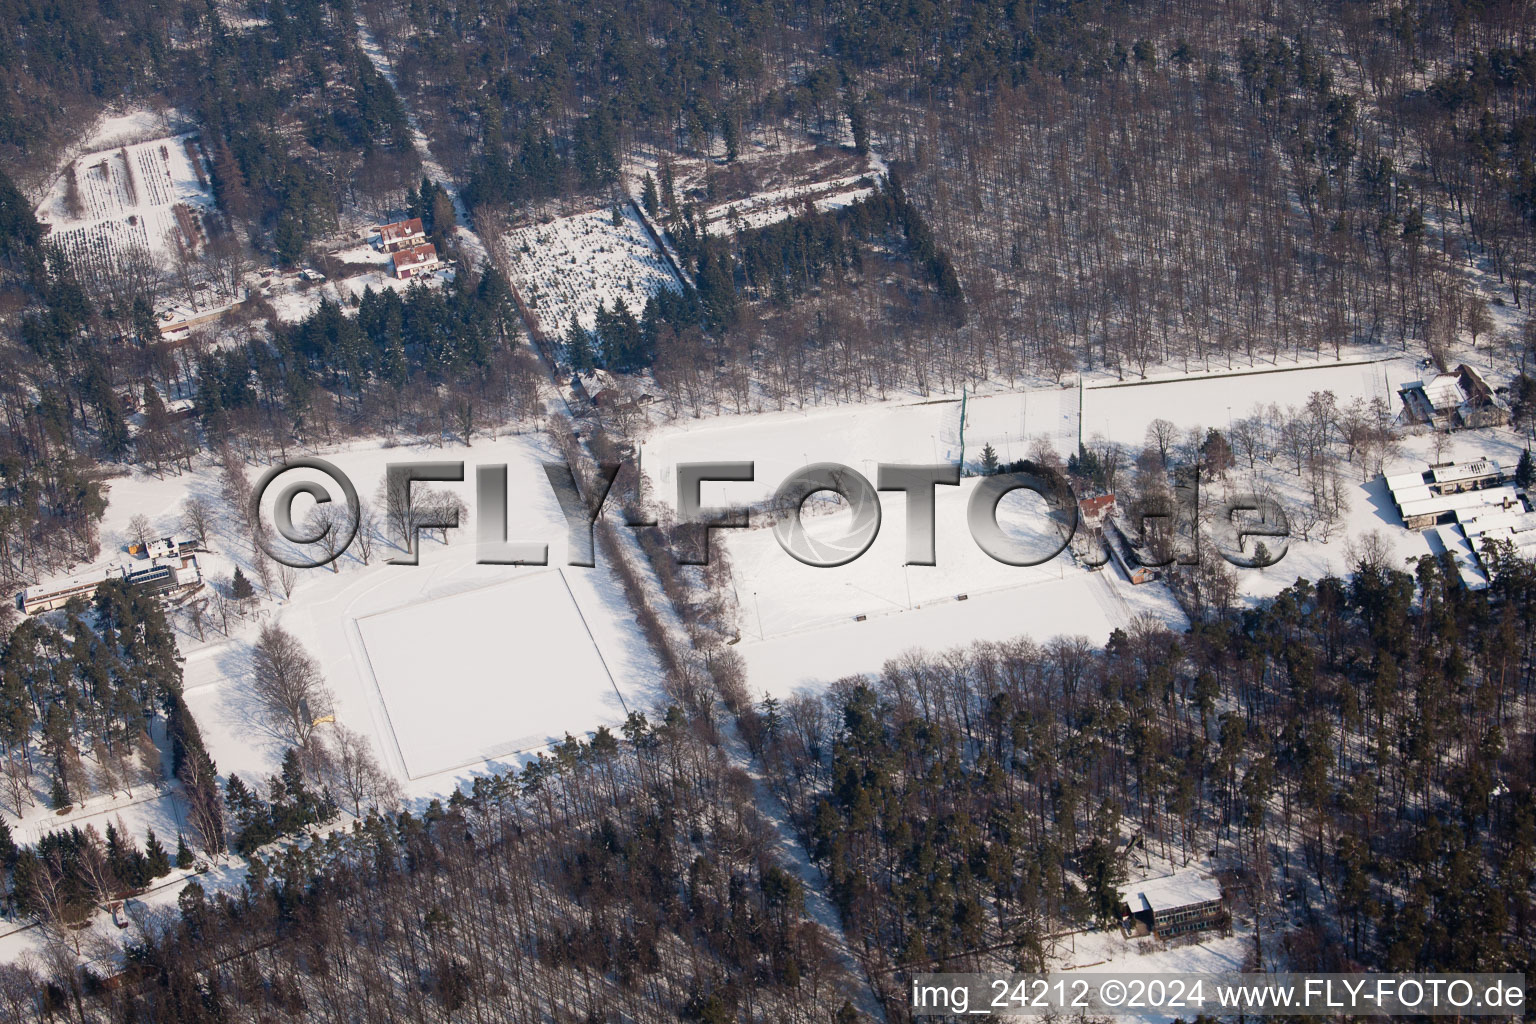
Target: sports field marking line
{"x":595,"y":646}
{"x":378,"y":689}
{"x":516,"y":748}
{"x":1227,"y":374}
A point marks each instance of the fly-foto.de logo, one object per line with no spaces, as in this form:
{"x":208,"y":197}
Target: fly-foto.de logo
{"x":1232,"y":521}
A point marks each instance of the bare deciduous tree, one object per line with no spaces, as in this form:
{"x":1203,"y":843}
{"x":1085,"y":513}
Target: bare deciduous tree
{"x":197,"y":519}
{"x":287,"y":684}
{"x":140,"y":529}
{"x":367,"y":530}
{"x":355,"y":773}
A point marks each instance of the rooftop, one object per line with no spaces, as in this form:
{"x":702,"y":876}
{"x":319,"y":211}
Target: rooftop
{"x":1180,"y":889}
{"x":101,"y":572}
{"x":1458,"y":471}
{"x":400,"y":230}
{"x":416,"y":254}
{"x":1439,"y":504}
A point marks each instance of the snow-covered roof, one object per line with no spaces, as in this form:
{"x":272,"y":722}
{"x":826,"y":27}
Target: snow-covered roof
{"x":1400,"y":481}
{"x":97,"y":574}
{"x":400,"y":230}
{"x":1405,"y":495}
{"x":1180,"y":889}
{"x":1439,"y":504}
{"x":1468,"y":566}
{"x":1479,"y":520}
{"x":1459,"y":471}
{"x":87,"y":578}
{"x":416,"y":255}
{"x":1444,"y":391}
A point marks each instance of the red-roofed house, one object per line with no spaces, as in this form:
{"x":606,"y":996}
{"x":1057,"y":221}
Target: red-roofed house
{"x":416,"y":260}
{"x":1093,"y":511}
{"x":405,"y":234}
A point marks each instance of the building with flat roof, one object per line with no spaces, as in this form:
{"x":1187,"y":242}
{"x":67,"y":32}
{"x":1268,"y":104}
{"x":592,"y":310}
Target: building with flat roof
{"x":1185,"y":901}
{"x":1421,"y":511}
{"x":158,"y":575}
{"x":1433,"y":496}
{"x":1465,"y":476}
{"x":1459,"y":506}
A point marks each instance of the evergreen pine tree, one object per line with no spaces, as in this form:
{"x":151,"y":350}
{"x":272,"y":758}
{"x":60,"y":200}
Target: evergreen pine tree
{"x":668,"y":194}
{"x":157,"y":860}
{"x":649,"y":197}
{"x":988,"y":459}
{"x":424,"y":198}
{"x":1525,"y":471}
{"x":240,"y":586}
{"x":118,"y":853}
{"x":288,"y":239}
{"x":8,"y":850}
{"x":858,"y":124}
{"x":183,"y":855}
{"x":58,"y":796}
{"x":578,"y":348}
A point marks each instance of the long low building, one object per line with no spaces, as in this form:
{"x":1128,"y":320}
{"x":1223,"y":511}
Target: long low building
{"x":1422,"y":511}
{"x":159,"y":575}
{"x":1459,"y":506}
{"x":1434,"y":496}
{"x":1185,"y":901}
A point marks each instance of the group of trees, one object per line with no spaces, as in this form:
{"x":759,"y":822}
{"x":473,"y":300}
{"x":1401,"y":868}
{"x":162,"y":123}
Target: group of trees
{"x":384,"y":366}
{"x":81,"y":702}
{"x":72,"y":872}
{"x":1242,"y":183}
{"x":338,"y":762}
{"x":1114,"y":188}
{"x":622,"y":876}
{"x":1303,"y":457}
{"x":1359,"y":747}
{"x":301,"y":74}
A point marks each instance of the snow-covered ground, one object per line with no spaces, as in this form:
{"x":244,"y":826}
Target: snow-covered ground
{"x":477,"y":675}
{"x":502,"y":666}
{"x":1121,"y":411}
{"x":860,"y":436}
{"x":571,"y":265}
{"x":763,"y":208}
{"x":801,"y":626}
{"x":129,"y":199}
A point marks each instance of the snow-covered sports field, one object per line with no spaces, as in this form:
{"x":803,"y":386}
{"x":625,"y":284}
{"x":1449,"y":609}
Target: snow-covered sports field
{"x":493,"y":671}
{"x":803,"y":626}
{"x":449,"y":667}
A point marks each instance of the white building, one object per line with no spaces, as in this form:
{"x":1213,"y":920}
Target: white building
{"x":160,"y":575}
{"x":1185,"y":901}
